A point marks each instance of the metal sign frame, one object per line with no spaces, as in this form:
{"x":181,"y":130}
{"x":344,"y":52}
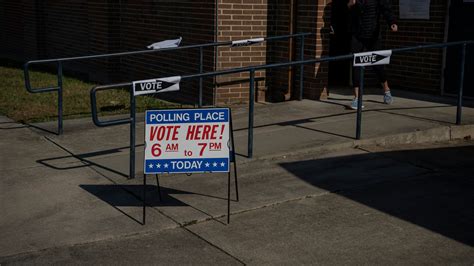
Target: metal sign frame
{"x":187,"y":140}
{"x":232,"y":159}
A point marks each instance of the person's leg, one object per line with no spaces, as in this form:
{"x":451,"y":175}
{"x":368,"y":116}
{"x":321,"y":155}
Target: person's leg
{"x":387,"y":97}
{"x":356,"y":47}
{"x":380,"y":72}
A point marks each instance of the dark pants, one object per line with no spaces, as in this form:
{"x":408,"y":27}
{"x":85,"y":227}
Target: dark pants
{"x":364,"y":45}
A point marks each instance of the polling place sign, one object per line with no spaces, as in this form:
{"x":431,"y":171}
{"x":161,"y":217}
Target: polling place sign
{"x":187,"y":141}
{"x":372,"y":58}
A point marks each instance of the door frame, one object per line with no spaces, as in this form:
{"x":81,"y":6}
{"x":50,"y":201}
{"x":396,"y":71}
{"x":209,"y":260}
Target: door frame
{"x":445,"y":51}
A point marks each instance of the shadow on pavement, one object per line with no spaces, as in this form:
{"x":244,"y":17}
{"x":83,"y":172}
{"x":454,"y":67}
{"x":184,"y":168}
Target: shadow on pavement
{"x":436,"y":194}
{"x":348,"y":111}
{"x":132,"y":196}
{"x":115,"y":195}
{"x":85,"y":163}
{"x":16,"y":125}
{"x":57,"y":163}
{"x":404,"y":93}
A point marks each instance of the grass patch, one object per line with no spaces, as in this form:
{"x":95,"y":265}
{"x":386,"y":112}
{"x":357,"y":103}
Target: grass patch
{"x":20,"y":105}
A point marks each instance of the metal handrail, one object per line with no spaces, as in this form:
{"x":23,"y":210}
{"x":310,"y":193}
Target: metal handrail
{"x":253,"y":69}
{"x":59,"y":61}
{"x":214,"y":44}
{"x":95,"y":118}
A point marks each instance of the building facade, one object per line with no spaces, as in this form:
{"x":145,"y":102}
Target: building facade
{"x":52,"y":29}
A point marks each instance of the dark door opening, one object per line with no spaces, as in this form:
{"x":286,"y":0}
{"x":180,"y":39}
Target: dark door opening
{"x":461,"y":28}
{"x":339,"y":44}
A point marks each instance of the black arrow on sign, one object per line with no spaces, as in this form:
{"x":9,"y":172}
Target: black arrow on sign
{"x":372,"y":59}
{"x":163,"y":85}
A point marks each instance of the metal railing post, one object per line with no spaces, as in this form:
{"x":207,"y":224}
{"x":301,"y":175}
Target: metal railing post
{"x":26,"y":74}
{"x":301,"y":67}
{"x":359,"y":103}
{"x":461,"y":85}
{"x":60,"y":98}
{"x":201,"y":68}
{"x":132,"y":134}
{"x":251,"y":112}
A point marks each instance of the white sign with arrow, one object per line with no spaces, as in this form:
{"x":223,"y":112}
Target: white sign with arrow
{"x":372,"y":58}
{"x":247,"y":42}
{"x":150,"y":86}
{"x":165,"y":44}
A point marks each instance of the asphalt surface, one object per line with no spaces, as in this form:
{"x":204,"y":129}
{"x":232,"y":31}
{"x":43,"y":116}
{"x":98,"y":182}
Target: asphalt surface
{"x":402,"y":195}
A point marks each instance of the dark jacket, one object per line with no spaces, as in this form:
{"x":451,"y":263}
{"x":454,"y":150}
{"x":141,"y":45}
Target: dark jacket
{"x":365,"y":16}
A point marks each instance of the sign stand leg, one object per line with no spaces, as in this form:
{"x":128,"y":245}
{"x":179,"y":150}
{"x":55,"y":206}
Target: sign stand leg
{"x":132,"y":134}
{"x":235,"y":178}
{"x":228,"y":197}
{"x":225,"y":146}
{"x":159,"y":188}
{"x":234,"y":159}
{"x":144,"y":198}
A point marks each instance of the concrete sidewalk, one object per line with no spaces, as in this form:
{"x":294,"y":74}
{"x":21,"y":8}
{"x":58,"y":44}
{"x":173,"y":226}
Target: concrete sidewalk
{"x":282,"y":128}
{"x":63,"y":192}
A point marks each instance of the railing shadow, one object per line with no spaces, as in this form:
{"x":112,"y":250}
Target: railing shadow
{"x":24,"y":125}
{"x":108,"y":192}
{"x":49,"y":162}
{"x":348,"y":111}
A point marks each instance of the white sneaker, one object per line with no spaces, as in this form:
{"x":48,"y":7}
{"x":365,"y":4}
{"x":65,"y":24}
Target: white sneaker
{"x":354,"y":104}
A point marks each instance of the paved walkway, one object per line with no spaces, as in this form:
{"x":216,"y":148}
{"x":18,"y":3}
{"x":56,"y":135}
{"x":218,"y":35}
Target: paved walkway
{"x":307,"y":196}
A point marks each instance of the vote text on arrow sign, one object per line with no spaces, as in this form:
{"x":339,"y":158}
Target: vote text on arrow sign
{"x":372,"y":58}
{"x":150,"y":86}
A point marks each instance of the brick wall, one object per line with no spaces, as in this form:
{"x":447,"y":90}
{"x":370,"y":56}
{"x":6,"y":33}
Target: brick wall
{"x":310,"y":17}
{"x":279,"y":80}
{"x":240,"y":19}
{"x":420,"y":70}
{"x":16,"y":18}
{"x":315,"y":17}
{"x":45,"y":29}
{"x":161,"y":20}
{"x":52,"y":29}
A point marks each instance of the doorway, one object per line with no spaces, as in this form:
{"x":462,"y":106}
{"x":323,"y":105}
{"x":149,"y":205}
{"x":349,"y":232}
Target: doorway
{"x":461,"y":28}
{"x":339,"y":44}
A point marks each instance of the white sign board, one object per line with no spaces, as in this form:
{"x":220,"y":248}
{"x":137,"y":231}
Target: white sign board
{"x":165,"y":44}
{"x":187,"y":141}
{"x":247,"y":42}
{"x":415,"y":9}
{"x":372,"y":58}
{"x":150,"y":86}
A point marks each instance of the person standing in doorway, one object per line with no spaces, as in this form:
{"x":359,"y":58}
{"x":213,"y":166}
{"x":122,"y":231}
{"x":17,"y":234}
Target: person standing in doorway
{"x":365,"y":30}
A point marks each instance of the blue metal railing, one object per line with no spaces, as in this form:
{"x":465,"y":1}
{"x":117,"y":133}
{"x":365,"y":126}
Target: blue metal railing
{"x":252,"y":70}
{"x":60,"y":61}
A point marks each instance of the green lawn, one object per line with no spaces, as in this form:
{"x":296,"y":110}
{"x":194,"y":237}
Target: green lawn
{"x":20,"y":105}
